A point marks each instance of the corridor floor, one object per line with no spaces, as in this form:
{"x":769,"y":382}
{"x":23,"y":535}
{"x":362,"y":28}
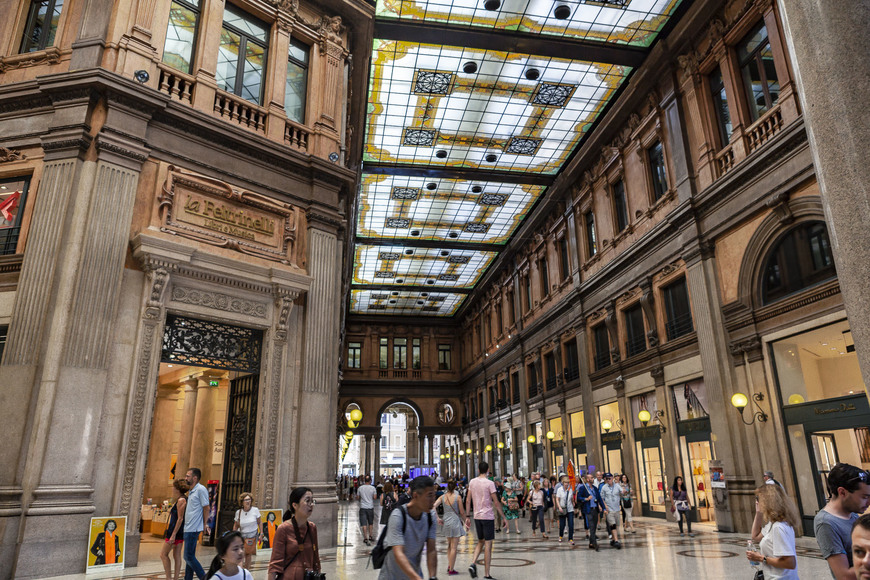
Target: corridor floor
{"x":655,"y":551}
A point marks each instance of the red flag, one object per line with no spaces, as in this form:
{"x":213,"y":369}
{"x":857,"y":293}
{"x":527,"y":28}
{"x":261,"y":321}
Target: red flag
{"x":8,"y":204}
{"x":572,"y":476}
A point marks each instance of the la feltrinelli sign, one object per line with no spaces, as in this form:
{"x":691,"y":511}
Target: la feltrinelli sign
{"x":214,"y":212}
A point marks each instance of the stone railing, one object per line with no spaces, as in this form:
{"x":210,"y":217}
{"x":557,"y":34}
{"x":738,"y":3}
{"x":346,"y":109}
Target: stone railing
{"x":763,"y":129}
{"x":296,"y":136}
{"x":724,"y":160}
{"x":237,"y":110}
{"x":177,"y":85}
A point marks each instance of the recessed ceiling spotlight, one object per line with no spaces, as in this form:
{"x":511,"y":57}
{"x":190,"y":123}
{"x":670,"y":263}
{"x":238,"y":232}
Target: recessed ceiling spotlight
{"x":533,"y":74}
{"x":492,"y":4}
{"x":399,"y":280}
{"x":562,"y":12}
{"x":491,"y":157}
{"x":441,"y":154}
{"x":452,"y":235}
{"x":470,"y":67}
{"x":409,"y":252}
{"x":431,"y":185}
{"x":420,"y":302}
{"x":424,"y":294}
{"x":392,"y":301}
{"x":430,"y":281}
{"x":395,"y":293}
{"x":445,"y":253}
{"x":415,"y":232}
{"x":476,"y":189}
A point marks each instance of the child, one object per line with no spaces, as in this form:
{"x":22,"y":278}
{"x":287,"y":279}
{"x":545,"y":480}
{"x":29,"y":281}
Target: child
{"x":230,"y":555}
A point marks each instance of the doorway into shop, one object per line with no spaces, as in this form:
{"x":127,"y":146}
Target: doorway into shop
{"x":825,"y":408}
{"x":205,"y":416}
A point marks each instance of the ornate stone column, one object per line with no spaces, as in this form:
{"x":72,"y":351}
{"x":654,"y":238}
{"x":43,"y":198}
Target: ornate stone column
{"x":593,"y":430}
{"x":157,"y":480}
{"x":838,"y":136}
{"x":203,"y":427}
{"x":188,"y":415}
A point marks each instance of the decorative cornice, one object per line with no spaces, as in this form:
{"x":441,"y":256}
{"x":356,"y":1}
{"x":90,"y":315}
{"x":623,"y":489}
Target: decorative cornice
{"x":103,"y":145}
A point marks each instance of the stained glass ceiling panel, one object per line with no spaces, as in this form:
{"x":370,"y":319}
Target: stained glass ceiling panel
{"x":453,"y":107}
{"x":422,"y":208}
{"x":419,"y":266}
{"x":629,"y":22}
{"x":402,"y":302}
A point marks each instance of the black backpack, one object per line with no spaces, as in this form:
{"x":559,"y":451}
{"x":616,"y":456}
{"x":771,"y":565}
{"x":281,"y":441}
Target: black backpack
{"x":379,"y":552}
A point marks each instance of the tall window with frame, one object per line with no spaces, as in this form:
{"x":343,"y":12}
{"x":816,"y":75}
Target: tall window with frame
{"x":591,"y":241}
{"x":181,"y":32}
{"x":802,"y":258}
{"x":297,"y":81}
{"x":545,"y":276}
{"x":354,"y":355}
{"x":4,"y":332}
{"x":528,"y":304}
{"x":512,"y":318}
{"x":444,"y":363}
{"x":383,"y":353}
{"x":635,"y":337}
{"x":532,"y":377}
{"x":620,"y":205}
{"x":241,"y":66}
{"x":40,"y":28}
{"x":564,"y":264}
{"x":720,"y":106}
{"x":499,"y":321}
{"x":13,"y":195}
{"x":678,"y":313}
{"x":416,"y":355}
{"x":758,"y":72}
{"x":400,"y":353}
{"x":656,"y":157}
{"x":601,"y":344}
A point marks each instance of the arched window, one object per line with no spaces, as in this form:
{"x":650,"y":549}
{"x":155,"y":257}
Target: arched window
{"x":802,"y":258}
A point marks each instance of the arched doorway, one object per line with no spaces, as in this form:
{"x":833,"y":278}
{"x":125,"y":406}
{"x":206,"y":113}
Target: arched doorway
{"x":398,"y":448}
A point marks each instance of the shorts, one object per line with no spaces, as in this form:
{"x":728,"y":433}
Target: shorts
{"x":175,"y":542}
{"x":485,"y":529}
{"x":366,"y":516}
{"x":614,"y":518}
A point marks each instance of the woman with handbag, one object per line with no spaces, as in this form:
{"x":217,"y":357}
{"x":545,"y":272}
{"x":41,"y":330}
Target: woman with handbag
{"x":680,"y":504}
{"x":295,"y":550}
{"x":453,"y":522}
{"x":247,"y":521}
{"x":510,"y":499}
{"x":777,"y":554}
{"x":627,"y":523}
{"x":536,"y":501}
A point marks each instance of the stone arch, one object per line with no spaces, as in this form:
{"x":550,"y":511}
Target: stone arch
{"x":786,"y":215}
{"x":402,"y":401}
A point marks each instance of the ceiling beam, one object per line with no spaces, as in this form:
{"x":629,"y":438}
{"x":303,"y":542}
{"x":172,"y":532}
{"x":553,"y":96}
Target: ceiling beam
{"x":510,"y":41}
{"x":462,"y":174}
{"x":408,"y":288}
{"x":431,"y":244}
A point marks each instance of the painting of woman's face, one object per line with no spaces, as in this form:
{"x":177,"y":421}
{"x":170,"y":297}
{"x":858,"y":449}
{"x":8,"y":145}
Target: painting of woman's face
{"x":271,"y":517}
{"x":110,"y":525}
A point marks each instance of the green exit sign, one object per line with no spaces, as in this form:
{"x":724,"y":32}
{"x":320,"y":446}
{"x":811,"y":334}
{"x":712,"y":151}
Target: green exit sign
{"x":212,"y":383}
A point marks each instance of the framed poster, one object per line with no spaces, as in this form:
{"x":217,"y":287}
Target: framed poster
{"x":106,"y":544}
{"x":270,"y":519}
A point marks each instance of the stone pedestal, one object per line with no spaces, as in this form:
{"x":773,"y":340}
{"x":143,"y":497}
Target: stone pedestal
{"x":832,"y":81}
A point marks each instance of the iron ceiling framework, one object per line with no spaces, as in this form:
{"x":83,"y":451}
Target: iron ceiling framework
{"x":474,"y":107}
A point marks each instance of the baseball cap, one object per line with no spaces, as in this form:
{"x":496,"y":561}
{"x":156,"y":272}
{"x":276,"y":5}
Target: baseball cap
{"x":606,"y":475}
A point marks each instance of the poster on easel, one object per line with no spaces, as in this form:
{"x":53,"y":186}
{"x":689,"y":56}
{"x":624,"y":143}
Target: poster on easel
{"x":106,"y":544}
{"x":270,"y":519}
{"x":208,"y":535}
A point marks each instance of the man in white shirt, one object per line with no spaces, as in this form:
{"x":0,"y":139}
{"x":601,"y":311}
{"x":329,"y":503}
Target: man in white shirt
{"x":367,"y":494}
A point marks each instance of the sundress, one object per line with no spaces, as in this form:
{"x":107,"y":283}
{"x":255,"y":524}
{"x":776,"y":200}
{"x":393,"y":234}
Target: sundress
{"x":511,"y":504}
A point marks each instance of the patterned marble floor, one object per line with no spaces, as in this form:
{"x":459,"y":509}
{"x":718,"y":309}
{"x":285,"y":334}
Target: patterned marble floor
{"x":655,"y":551}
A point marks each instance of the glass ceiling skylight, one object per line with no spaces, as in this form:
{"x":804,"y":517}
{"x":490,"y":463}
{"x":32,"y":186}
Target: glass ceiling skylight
{"x":419,"y":266}
{"x":446,"y":106}
{"x":421,"y":208}
{"x":403,"y":302}
{"x":631,"y":22}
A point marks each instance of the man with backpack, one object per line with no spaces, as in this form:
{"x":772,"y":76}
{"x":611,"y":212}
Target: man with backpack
{"x":410,"y":529}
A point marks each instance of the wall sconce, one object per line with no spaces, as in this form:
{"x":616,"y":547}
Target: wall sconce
{"x":645,"y":417}
{"x":739,"y":400}
{"x":551,"y":435}
{"x":348,"y":434}
{"x":468,"y":451}
{"x":441,"y":456}
{"x":500,"y":445}
{"x":531,"y":439}
{"x":488,"y":448}
{"x":607,"y":425}
{"x":446,"y":456}
{"x":461,"y":453}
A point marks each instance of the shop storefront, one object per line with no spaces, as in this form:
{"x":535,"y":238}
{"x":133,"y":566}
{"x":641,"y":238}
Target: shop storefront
{"x":578,"y":441}
{"x":649,"y":455}
{"x":611,"y":437}
{"x":824,"y":405}
{"x":557,"y":446}
{"x":695,"y":445}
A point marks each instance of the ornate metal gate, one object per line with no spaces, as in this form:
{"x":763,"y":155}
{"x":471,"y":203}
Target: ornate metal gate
{"x":238,"y":447}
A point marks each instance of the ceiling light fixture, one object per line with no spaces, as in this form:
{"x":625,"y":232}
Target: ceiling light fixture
{"x":533,"y":74}
{"x":441,"y":154}
{"x":491,"y":158}
{"x":476,"y":189}
{"x":492,"y":5}
{"x":431,"y":186}
{"x":409,"y":252}
{"x":562,"y":12}
{"x":470,"y":67}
